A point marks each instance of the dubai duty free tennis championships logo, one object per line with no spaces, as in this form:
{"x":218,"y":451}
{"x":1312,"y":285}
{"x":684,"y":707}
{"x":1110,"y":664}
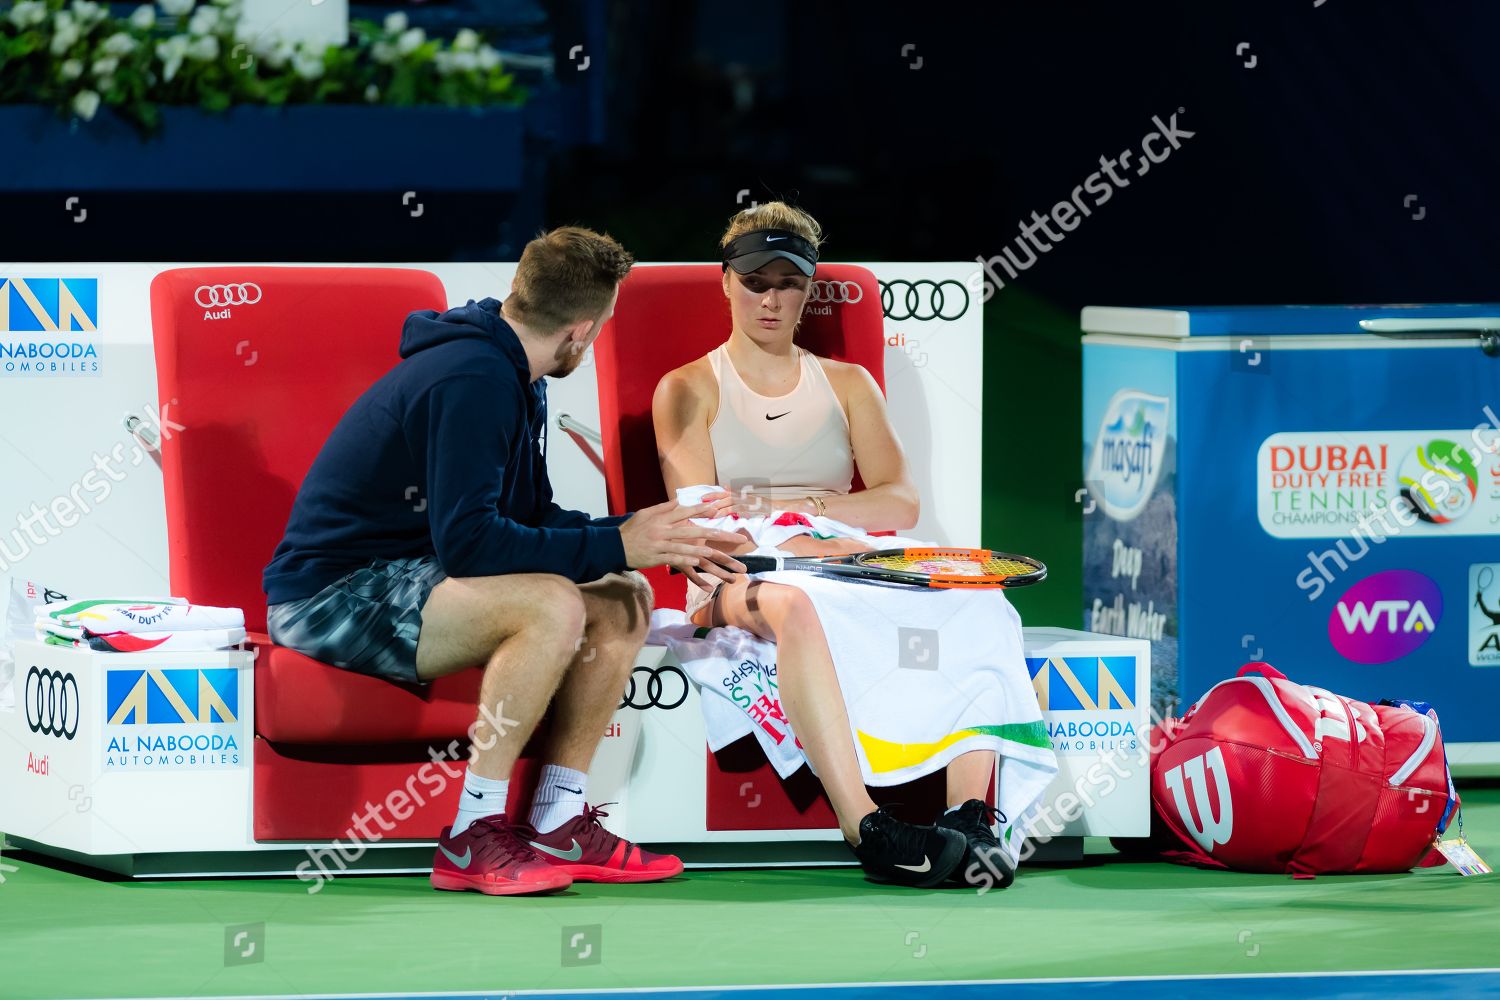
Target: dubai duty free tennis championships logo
{"x":1126,"y":460}
{"x":48,"y":326}
{"x":1385,"y":616}
{"x":1440,"y":479}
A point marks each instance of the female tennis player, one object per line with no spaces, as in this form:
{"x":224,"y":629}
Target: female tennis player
{"x":760,"y":410}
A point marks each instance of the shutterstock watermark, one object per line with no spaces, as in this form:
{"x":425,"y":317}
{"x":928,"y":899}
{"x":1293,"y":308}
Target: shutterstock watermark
{"x":1050,"y":819}
{"x":1375,"y":525}
{"x":1069,"y":213}
{"x":42,"y":523}
{"x":400,"y":803}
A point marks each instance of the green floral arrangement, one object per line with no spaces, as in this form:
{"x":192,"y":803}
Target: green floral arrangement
{"x":78,"y":57}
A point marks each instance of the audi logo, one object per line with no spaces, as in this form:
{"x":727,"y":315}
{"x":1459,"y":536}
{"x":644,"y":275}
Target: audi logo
{"x":835,"y":291}
{"x":52,"y":703}
{"x":924,"y":299}
{"x":657,"y":694}
{"x":246,"y":294}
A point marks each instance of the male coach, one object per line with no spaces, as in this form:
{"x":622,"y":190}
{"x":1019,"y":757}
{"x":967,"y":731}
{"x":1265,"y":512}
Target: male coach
{"x":425,"y":541}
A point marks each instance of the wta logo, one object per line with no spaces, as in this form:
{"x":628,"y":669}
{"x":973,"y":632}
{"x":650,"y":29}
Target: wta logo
{"x":1385,"y":616}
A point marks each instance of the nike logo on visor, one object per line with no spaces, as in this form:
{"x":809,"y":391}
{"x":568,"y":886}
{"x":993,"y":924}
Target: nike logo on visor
{"x":572,"y":854}
{"x":773,"y":239}
{"x":925,"y":866}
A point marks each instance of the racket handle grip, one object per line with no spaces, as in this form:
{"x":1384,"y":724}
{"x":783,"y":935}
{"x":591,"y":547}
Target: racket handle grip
{"x":760,"y":564}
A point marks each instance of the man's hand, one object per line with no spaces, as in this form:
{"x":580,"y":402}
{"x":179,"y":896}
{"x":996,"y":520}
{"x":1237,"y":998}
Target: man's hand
{"x":666,"y":535}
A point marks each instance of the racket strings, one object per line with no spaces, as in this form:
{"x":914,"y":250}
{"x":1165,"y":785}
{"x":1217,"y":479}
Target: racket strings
{"x":953,"y":565}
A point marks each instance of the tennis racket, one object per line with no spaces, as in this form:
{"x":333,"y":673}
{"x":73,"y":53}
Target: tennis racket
{"x":944,"y":569}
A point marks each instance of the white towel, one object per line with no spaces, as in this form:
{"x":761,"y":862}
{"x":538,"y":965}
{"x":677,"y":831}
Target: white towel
{"x":193,"y":640}
{"x":102,"y":616}
{"x":926,"y":676}
{"x":771,"y":530}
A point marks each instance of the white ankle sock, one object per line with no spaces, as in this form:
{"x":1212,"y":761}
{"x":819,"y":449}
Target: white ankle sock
{"x":480,"y":797}
{"x":559,"y":797}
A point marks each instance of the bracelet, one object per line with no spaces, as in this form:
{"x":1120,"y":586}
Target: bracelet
{"x":819,"y":507}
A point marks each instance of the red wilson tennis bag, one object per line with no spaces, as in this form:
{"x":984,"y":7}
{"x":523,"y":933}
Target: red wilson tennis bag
{"x":1266,"y":775}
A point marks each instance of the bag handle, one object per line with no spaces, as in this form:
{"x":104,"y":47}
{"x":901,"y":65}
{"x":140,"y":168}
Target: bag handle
{"x":1262,"y":668}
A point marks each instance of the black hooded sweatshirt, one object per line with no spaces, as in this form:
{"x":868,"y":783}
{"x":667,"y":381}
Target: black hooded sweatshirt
{"x":444,"y":456}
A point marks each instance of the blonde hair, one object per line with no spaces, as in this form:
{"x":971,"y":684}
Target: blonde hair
{"x":566,"y":275}
{"x":773,"y":215}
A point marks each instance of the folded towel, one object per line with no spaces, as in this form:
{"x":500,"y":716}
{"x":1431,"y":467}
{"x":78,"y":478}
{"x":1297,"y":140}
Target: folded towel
{"x":111,"y":615}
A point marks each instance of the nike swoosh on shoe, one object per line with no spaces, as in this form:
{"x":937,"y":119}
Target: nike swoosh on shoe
{"x":925,"y":866}
{"x":572,"y":854}
{"x":462,"y":860}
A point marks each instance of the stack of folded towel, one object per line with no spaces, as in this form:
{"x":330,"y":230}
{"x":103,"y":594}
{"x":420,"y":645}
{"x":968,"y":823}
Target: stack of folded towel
{"x":137,"y":625}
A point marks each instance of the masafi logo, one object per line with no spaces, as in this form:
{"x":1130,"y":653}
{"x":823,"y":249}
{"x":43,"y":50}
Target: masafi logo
{"x":1385,"y":616}
{"x":1126,"y":461}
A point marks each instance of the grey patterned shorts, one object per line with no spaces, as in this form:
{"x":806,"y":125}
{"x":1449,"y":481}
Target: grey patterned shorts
{"x":368,"y":621}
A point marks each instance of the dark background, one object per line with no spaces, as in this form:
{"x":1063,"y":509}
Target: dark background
{"x":1292,"y":189}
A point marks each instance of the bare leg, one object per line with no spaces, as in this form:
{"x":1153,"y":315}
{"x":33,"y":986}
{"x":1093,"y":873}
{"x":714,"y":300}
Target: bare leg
{"x":809,"y":687}
{"x":617,"y":612}
{"x":969,"y":776}
{"x":524,"y":629}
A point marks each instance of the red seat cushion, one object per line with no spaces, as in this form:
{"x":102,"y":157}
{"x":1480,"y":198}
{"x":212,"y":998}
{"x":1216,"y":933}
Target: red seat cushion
{"x":300,"y":700}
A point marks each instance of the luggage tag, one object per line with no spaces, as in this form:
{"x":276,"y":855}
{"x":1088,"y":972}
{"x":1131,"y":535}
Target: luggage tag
{"x":1460,"y":854}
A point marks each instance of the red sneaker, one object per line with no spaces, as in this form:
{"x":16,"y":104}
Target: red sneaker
{"x":589,"y":853}
{"x":490,"y":858}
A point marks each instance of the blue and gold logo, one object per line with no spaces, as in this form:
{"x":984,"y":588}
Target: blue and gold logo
{"x":172,"y":697}
{"x":1083,"y":683}
{"x":49,"y":305}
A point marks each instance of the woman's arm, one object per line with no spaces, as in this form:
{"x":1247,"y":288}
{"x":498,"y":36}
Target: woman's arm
{"x":889,"y":501}
{"x":680,"y":415}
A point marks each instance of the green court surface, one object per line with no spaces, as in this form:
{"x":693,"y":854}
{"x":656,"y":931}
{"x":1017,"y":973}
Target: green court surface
{"x":65,"y":934}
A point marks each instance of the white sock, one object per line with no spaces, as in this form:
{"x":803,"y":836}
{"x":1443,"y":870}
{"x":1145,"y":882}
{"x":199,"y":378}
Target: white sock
{"x":559,"y":797}
{"x":480,"y":797}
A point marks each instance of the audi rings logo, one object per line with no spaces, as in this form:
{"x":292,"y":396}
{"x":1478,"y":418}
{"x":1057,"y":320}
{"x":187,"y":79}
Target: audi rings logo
{"x":209,"y":296}
{"x":659,"y":692}
{"x":901,"y":300}
{"x":847,"y":292}
{"x":52,"y":703}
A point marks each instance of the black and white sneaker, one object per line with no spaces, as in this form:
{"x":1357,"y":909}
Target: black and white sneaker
{"x":904,"y":853}
{"x":985,"y":862}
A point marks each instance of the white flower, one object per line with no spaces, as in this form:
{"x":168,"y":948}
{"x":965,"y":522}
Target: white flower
{"x":383,"y":53}
{"x":444,"y":62}
{"x":85,"y":104}
{"x":489,"y":57}
{"x":205,"y":21}
{"x":65,"y":32}
{"x":308,"y":64}
{"x":467,"y":40}
{"x":277,"y":56}
{"x":105,"y":66}
{"x":71,"y":69}
{"x":88,"y":11}
{"x":27,"y":13}
{"x":118,"y":44}
{"x":171,"y":53}
{"x":144,"y":17}
{"x":468,"y":62}
{"x":177,"y":8}
{"x":203,"y":49}
{"x":411,"y":39}
{"x":372,"y":93}
{"x":395,"y":22}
